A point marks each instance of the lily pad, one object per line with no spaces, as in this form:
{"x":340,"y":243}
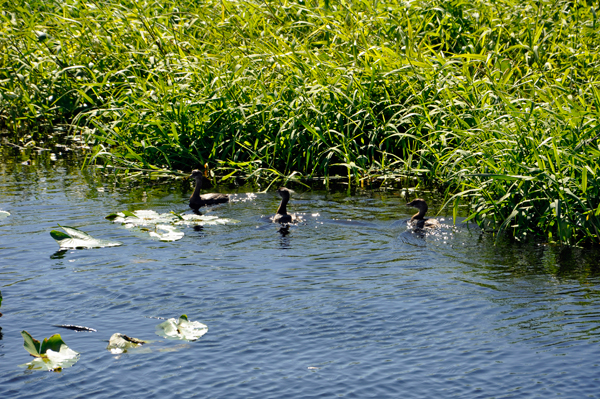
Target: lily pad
{"x":74,"y":238}
{"x":181,"y":329}
{"x":4,"y":214}
{"x":120,"y":343}
{"x":162,"y":225}
{"x":51,"y":354}
{"x":165,"y":232}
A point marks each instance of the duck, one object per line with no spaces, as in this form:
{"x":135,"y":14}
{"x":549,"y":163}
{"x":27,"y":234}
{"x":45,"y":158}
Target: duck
{"x":197,"y":200}
{"x":419,"y":220}
{"x":282,"y":216}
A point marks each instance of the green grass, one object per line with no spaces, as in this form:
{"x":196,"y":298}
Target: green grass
{"x":495,"y":101}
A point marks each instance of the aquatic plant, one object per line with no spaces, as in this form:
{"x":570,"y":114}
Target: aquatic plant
{"x":163,"y":226}
{"x":181,"y":329}
{"x":120,"y":343}
{"x":74,"y":238}
{"x":51,"y":354}
{"x":467,"y":95}
{"x":4,"y":214}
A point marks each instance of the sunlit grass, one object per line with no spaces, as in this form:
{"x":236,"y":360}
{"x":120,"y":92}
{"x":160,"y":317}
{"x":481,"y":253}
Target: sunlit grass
{"x":494,"y":100}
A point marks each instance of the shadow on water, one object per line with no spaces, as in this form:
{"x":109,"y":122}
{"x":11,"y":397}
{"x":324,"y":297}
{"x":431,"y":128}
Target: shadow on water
{"x":522,"y":259}
{"x":60,"y":254}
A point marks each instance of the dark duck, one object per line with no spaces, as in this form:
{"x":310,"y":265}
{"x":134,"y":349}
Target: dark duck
{"x":197,"y":200}
{"x":282,"y":216}
{"x":419,"y":220}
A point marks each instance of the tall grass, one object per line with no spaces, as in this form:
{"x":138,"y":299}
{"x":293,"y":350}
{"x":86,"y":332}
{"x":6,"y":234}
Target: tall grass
{"x":495,"y":100}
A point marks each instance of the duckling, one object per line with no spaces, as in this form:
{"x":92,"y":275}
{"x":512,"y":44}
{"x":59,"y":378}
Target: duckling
{"x":419,"y":220}
{"x":197,"y":200}
{"x":282,"y":216}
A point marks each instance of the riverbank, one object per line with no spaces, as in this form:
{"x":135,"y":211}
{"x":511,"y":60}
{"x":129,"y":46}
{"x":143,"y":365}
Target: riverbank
{"x":497,"y":103}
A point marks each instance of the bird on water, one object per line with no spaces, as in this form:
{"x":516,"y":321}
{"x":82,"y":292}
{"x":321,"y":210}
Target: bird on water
{"x":419,"y":220}
{"x":282,"y":216}
{"x":197,"y":200}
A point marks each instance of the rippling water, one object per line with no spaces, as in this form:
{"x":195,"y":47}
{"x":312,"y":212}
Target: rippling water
{"x":348,"y":303}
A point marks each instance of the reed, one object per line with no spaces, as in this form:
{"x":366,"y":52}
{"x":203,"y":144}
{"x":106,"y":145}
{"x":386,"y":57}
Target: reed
{"x":496,"y":101}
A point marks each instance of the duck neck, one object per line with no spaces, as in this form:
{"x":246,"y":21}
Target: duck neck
{"x":282,"y":210}
{"x":419,"y":215}
{"x":196,"y":193}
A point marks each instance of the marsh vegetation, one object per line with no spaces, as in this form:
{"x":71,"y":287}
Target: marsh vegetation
{"x":496,"y":102}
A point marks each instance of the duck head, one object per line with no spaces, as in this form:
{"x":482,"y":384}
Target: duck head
{"x":421,"y":205}
{"x":284,"y":192}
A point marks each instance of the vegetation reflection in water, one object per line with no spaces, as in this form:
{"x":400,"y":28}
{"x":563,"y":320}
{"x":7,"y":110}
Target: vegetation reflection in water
{"x":497,"y":102}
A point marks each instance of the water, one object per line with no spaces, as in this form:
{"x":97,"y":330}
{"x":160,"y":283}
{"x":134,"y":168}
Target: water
{"x":359,"y":308}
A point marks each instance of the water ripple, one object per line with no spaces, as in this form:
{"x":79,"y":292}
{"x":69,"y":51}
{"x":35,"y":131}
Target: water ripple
{"x":348,"y":303}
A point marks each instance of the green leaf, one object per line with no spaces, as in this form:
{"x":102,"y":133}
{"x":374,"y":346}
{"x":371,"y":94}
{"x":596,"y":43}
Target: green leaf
{"x":59,"y":235}
{"x":53,"y":343}
{"x":497,"y":176}
{"x":129,"y":214}
{"x":178,"y":216}
{"x":455,"y":210}
{"x":112,"y":216}
{"x":31,"y":345}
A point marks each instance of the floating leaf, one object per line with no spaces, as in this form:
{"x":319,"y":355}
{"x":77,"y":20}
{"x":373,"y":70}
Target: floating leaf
{"x":4,"y":214}
{"x":54,"y":361}
{"x":59,"y":235}
{"x":112,"y":216}
{"x":181,"y":329}
{"x":161,"y":225}
{"x":120,"y":343}
{"x":203,"y":220}
{"x":166,"y":233}
{"x":178,"y":216}
{"x":31,"y":344}
{"x":51,"y":354}
{"x":78,"y":239}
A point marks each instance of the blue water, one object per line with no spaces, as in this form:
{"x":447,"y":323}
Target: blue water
{"x":350,"y":303}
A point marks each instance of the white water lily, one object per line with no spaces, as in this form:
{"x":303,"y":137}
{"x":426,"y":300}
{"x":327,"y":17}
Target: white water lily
{"x":54,"y":361}
{"x":204,"y":220}
{"x":4,"y":214}
{"x":162,"y":225}
{"x":78,"y":239}
{"x":52,"y":354}
{"x":166,"y":233}
{"x":181,"y":329}
{"x":120,"y":343}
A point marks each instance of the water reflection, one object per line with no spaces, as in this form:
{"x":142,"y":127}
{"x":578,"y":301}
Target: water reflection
{"x":60,"y":254}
